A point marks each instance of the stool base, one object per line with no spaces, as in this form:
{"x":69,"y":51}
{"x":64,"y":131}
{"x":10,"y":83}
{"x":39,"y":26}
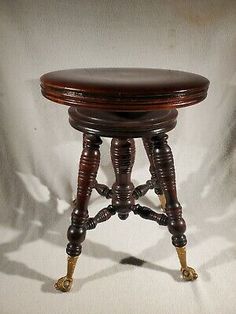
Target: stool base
{"x":123,"y":196}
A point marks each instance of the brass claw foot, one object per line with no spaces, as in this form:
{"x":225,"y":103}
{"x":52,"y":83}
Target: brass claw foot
{"x":189,"y":274}
{"x":64,"y":284}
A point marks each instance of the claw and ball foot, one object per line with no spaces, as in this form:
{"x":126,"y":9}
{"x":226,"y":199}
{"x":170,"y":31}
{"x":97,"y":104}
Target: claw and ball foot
{"x":64,"y":284}
{"x":189,"y":274}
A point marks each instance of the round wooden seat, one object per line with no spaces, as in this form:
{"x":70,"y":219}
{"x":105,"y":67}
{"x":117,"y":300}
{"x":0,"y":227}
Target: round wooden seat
{"x":124,"y":89}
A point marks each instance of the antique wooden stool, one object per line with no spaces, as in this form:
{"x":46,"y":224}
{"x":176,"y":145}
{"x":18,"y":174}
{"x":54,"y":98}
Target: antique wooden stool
{"x":125,"y":103}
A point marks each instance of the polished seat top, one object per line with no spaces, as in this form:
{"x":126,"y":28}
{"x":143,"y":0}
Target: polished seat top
{"x":124,"y":89}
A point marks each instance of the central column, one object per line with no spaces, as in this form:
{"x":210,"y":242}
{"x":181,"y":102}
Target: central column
{"x":122,"y":156}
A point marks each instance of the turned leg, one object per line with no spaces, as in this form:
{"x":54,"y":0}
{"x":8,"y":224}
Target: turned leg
{"x":103,"y":190}
{"x":88,"y":167}
{"x":122,"y":155}
{"x":164,"y":167}
{"x":148,"y":145}
{"x":103,"y":215}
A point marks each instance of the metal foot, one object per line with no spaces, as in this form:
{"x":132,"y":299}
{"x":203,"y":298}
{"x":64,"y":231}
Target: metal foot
{"x":189,"y":274}
{"x":64,"y":284}
{"x":162,"y":200}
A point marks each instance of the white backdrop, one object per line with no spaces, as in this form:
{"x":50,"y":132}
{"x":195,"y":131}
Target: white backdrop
{"x":40,"y":152}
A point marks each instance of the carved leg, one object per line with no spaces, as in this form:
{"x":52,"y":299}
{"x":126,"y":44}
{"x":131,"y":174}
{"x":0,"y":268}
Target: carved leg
{"x":147,"y":213}
{"x":148,"y":145}
{"x":142,"y":189}
{"x":103,"y":190}
{"x":88,"y":167}
{"x":103,"y":215}
{"x":122,"y":155}
{"x":164,"y":167}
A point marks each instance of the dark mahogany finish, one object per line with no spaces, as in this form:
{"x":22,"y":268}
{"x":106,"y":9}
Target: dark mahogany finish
{"x":147,"y":213}
{"x":103,"y":190}
{"x":122,"y":155}
{"x":149,"y":147}
{"x":88,"y":168}
{"x":142,"y":189}
{"x":103,"y":215}
{"x":163,"y":163}
{"x":124,"y":89}
{"x":125,"y":103}
{"x":122,"y":124}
